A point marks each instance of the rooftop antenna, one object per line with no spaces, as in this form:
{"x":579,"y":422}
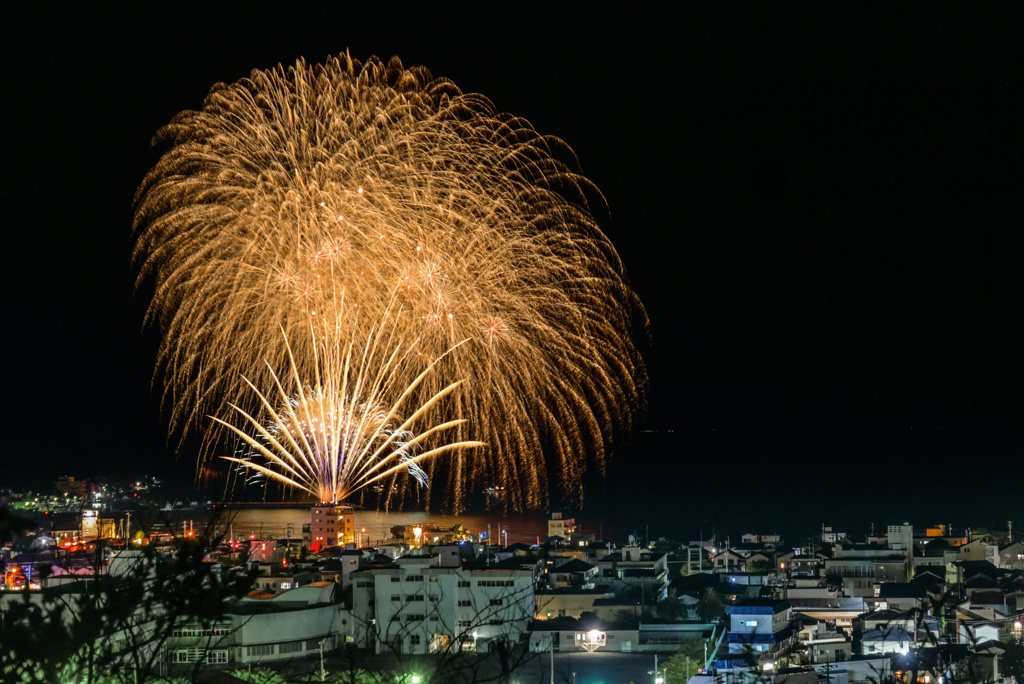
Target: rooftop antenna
{"x":1009,"y":531}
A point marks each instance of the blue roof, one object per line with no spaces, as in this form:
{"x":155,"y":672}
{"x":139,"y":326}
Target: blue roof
{"x":758,"y":607}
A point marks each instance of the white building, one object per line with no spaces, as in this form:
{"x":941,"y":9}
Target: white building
{"x":292,"y":625}
{"x":634,"y":566}
{"x":900,"y":537}
{"x":427,"y":604}
{"x":884,"y":641}
{"x":561,"y":527}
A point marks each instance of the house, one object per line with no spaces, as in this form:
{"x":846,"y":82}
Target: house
{"x":1011,"y":556}
{"x":729,"y":560}
{"x":863,"y":670}
{"x":557,"y":603}
{"x":575,"y":574}
{"x":838,"y":610}
{"x":934,"y":554}
{"x":276,"y":584}
{"x":768,"y":541}
{"x":761,"y":631}
{"x":990,"y":658}
{"x":632,"y":565}
{"x":977,"y":625}
{"x":822,"y":642}
{"x":796,"y":564}
{"x":573,"y":636}
{"x":946,"y":658}
{"x":882,"y":641}
{"x":979,"y":550}
{"x":920,"y":593}
{"x":590,"y":634}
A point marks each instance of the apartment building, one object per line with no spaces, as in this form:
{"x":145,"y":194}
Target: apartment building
{"x":427,"y":604}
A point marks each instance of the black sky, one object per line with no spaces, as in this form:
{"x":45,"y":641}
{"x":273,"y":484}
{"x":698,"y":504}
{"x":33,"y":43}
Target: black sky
{"x":819,"y":210}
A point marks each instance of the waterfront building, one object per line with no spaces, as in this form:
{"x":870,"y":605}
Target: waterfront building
{"x":331,"y":525}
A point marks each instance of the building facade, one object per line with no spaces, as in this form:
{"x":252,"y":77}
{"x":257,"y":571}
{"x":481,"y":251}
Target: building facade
{"x":761,"y":633}
{"x":331,"y":525}
{"x":428,"y":604}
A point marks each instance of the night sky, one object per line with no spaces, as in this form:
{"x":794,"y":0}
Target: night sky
{"x":820,"y":212}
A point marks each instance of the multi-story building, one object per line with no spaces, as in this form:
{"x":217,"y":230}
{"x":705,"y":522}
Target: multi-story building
{"x":269,"y":629}
{"x":76,"y":489}
{"x":900,"y":537}
{"x":331,"y":525}
{"x":562,"y":527}
{"x":761,"y":633}
{"x":426,"y":604}
{"x":864,"y":567}
{"x":633,"y":566}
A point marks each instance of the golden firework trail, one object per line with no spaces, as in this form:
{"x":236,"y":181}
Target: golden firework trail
{"x":342,"y":432}
{"x":298,"y":185}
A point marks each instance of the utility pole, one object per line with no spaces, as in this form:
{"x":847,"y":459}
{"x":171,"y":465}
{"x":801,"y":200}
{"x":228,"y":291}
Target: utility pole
{"x":551,"y":650}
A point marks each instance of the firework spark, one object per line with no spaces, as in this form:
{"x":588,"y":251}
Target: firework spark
{"x":342,"y":432}
{"x":294,"y":186}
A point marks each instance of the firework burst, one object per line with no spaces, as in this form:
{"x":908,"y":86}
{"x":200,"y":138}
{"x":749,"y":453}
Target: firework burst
{"x":293,"y":187}
{"x":345,"y":430}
